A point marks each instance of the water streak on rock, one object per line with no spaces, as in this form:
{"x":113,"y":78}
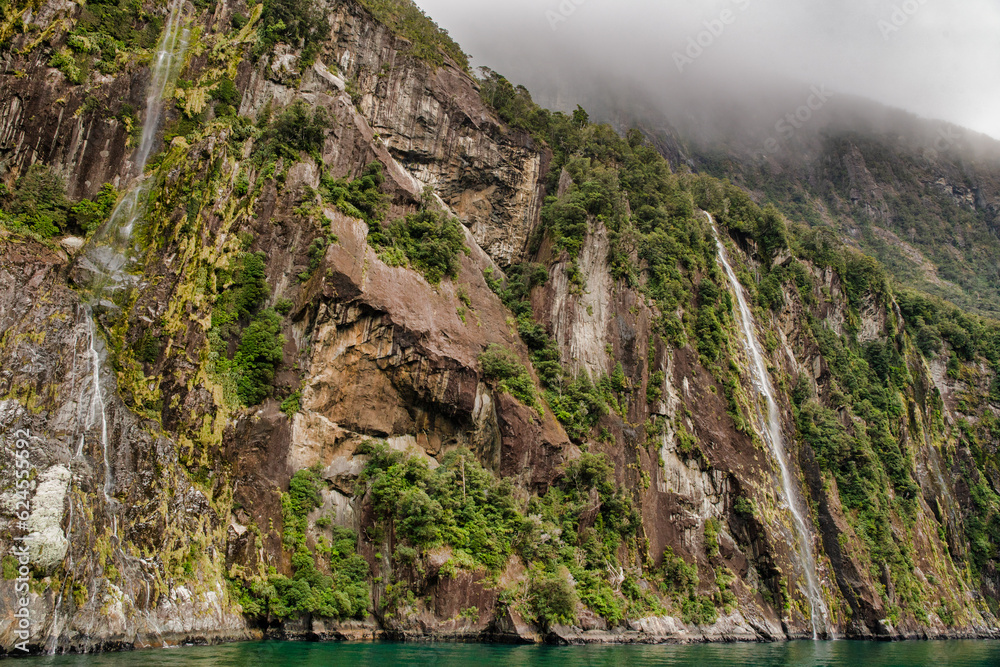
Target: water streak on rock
{"x":771,"y":431}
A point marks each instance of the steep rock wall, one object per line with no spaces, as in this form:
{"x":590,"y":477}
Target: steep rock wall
{"x":375,"y":351}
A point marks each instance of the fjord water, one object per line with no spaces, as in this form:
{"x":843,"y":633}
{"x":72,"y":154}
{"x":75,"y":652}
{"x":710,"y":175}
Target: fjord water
{"x":789,"y":654}
{"x":771,"y":432}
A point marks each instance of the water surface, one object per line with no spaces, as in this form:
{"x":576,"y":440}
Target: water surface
{"x":798,"y":654}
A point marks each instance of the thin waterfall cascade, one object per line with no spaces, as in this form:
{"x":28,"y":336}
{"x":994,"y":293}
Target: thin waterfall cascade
{"x":98,"y":408}
{"x":771,"y":423}
{"x":106,"y":256}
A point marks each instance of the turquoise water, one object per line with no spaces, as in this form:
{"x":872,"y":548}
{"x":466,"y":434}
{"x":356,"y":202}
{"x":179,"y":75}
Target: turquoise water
{"x":805,"y":654}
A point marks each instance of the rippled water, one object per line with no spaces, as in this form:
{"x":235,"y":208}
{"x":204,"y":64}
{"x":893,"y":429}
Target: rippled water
{"x":799,"y":654}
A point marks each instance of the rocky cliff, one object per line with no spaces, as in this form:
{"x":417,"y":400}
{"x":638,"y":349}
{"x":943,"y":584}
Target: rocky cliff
{"x":316,"y":406}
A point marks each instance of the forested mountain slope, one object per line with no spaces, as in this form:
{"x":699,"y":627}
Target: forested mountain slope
{"x":922,"y":196}
{"x":388,"y":350}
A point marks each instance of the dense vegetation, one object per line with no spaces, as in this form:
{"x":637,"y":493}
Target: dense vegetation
{"x":106,"y":37}
{"x":502,"y":367}
{"x":464,"y":507}
{"x":459,"y":504}
{"x":429,"y":241}
{"x":482,"y":522}
{"x":361,"y":198}
{"x":38,"y":205}
{"x":239,"y":315}
{"x":298,"y":23}
{"x":330,"y":579}
{"x":856,"y":426}
{"x":296,"y":130}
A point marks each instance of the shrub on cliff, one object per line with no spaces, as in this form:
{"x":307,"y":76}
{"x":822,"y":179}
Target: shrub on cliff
{"x":576,"y":401}
{"x":298,"y":23}
{"x":89,"y":215}
{"x":552,"y":598}
{"x":302,"y":498}
{"x":771,"y":234}
{"x":237,"y":316}
{"x":361,"y":198}
{"x":578,"y":405}
{"x":459,"y":504}
{"x":38,"y":203}
{"x":341,"y":594}
{"x":64,"y":61}
{"x":245,"y":295}
{"x":250,"y":287}
{"x":676,"y":576}
{"x":111,"y":26}
{"x":502,"y":367}
{"x":598,"y":594}
{"x":513,"y":104}
{"x":567,"y":219}
{"x":298,"y":130}
{"x":227,"y":97}
{"x":709,"y":334}
{"x":258,"y":356}
{"x":429,"y":240}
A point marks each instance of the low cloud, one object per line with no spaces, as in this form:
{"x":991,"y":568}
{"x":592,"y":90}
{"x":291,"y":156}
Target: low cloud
{"x":936,"y":58}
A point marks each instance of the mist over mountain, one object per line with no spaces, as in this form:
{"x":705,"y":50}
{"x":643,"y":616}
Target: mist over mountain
{"x":779,"y":96}
{"x":936,"y":59}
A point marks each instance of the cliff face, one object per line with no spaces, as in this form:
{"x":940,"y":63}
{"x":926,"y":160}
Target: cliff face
{"x":166,"y":505}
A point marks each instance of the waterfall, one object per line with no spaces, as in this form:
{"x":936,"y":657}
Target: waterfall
{"x":106,"y":256}
{"x":819,"y":615}
{"x":98,"y":408}
{"x":169,"y":54}
{"x":107,"y":253}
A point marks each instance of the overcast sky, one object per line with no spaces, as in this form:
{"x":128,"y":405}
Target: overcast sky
{"x":937,"y":58}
